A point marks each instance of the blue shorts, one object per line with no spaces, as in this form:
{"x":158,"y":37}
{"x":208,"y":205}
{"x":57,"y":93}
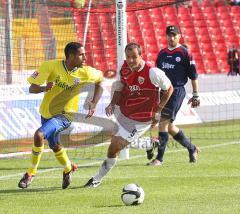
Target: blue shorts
{"x":52,"y":127}
{"x":174,"y":104}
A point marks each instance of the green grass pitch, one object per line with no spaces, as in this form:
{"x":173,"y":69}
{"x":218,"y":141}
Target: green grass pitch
{"x":212,"y":185}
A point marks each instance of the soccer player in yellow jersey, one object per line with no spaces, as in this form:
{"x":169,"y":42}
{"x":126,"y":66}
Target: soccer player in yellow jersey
{"x":61,"y":81}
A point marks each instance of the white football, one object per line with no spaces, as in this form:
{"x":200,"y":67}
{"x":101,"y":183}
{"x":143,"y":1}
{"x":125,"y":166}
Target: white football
{"x":132,"y":194}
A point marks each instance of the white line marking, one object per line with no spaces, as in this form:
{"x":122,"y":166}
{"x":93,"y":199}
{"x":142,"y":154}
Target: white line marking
{"x":15,"y":154}
{"x":201,"y":148}
{"x":5,"y":177}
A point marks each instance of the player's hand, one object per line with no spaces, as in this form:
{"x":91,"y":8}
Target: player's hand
{"x":109,"y":110}
{"x":194,"y":101}
{"x":155,"y":119}
{"x":49,"y":86}
{"x":91,"y":109}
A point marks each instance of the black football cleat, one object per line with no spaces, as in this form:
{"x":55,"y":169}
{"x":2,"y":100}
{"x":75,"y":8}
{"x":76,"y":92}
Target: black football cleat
{"x":193,"y":155}
{"x":67,"y":177}
{"x":154,"y":145}
{"x":92,"y":183}
{"x":25,"y":181}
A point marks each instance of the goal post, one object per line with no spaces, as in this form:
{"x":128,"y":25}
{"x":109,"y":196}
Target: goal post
{"x":121,"y":28}
{"x":8,"y":41}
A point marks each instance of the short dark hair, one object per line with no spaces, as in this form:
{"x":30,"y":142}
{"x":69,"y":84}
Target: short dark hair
{"x":72,"y":48}
{"x":132,"y":45}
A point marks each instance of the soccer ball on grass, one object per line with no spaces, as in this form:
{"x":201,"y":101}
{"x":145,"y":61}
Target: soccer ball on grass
{"x":132,"y":194}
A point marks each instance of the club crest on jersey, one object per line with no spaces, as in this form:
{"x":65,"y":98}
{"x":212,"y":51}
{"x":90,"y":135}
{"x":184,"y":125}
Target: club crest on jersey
{"x":34,"y":74}
{"x":141,"y":80}
{"x":74,"y":69}
{"x":178,"y":59}
{"x":76,"y":81}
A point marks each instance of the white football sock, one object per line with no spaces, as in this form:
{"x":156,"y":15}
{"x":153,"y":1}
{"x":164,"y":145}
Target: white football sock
{"x":107,"y":165}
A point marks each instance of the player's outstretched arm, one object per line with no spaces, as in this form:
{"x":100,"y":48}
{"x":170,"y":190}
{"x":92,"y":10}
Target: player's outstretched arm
{"x":165,"y":97}
{"x":96,"y":96}
{"x":115,"y":99}
{"x":117,"y":88}
{"x":35,"y":89}
{"x":166,"y":94}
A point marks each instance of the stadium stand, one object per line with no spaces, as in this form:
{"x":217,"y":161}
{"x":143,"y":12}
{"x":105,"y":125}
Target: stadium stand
{"x":29,"y":36}
{"x":209,"y":28}
{"x":62,"y":29}
{"x":204,"y":26}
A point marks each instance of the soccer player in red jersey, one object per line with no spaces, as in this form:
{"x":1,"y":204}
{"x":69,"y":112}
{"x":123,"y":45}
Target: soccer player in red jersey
{"x":137,"y":95}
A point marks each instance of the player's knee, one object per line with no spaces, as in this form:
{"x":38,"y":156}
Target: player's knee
{"x":164,"y":125}
{"x":170,"y":130}
{"x":38,"y":138}
{"x":113,"y":149}
{"x":55,"y":147}
{"x":117,"y":144}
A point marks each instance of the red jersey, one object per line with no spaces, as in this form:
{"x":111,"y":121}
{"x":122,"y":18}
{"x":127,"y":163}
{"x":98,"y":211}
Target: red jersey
{"x":139,"y":96}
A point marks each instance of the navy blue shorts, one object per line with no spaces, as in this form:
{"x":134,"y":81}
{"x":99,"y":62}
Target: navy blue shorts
{"x":174,"y":104}
{"x":52,"y":127}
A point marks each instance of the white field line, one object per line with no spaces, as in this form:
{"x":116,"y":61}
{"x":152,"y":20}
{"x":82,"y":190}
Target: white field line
{"x":15,"y":154}
{"x":201,"y":148}
{"x":6,"y":177}
{"x":127,"y":176}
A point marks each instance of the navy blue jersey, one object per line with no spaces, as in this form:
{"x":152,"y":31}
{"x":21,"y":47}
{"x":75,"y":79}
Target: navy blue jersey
{"x":177,"y":65}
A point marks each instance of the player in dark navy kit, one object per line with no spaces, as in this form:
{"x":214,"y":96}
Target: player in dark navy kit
{"x":178,"y":66}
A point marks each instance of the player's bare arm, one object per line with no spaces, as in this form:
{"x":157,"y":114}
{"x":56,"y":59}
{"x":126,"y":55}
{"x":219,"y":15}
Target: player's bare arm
{"x":35,"y":89}
{"x":115,"y":99}
{"x":110,"y":108}
{"x":164,"y":99}
{"x":96,"y":96}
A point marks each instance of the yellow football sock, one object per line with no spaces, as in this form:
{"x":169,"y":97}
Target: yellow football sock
{"x":64,"y":160}
{"x":36,"y":156}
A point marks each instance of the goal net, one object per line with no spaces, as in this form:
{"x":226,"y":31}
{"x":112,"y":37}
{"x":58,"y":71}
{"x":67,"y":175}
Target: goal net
{"x":34,"y":31}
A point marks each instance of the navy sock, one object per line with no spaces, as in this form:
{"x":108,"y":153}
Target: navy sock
{"x":163,"y":139}
{"x":184,"y":141}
